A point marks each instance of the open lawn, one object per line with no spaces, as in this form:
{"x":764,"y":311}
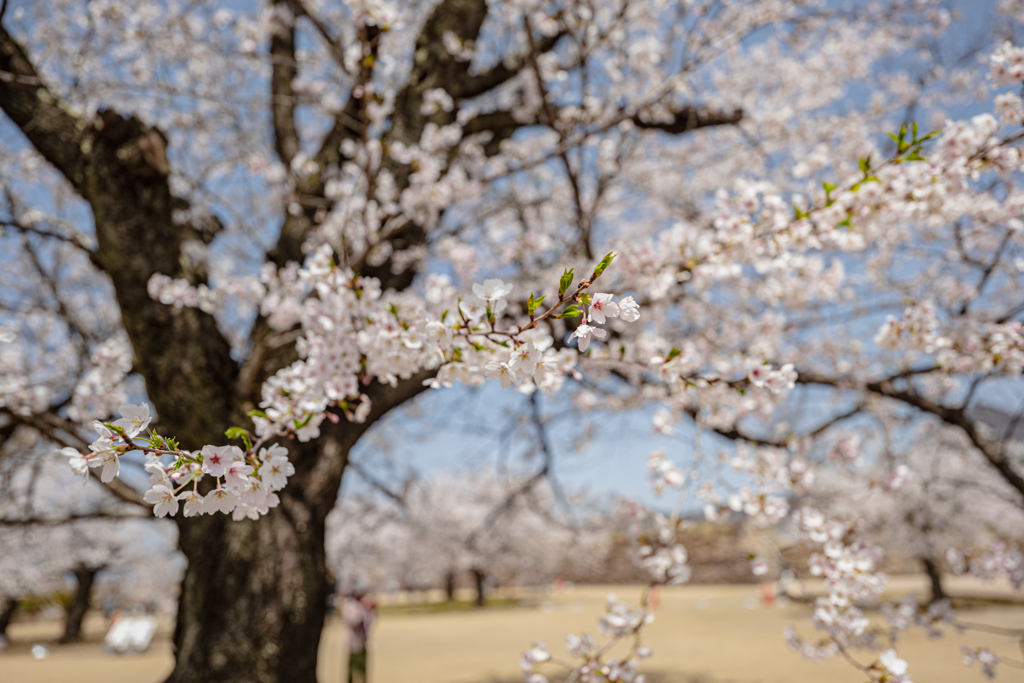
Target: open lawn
{"x":703,"y":634}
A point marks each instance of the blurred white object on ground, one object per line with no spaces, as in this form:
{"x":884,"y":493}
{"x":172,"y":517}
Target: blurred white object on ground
{"x":130,"y":634}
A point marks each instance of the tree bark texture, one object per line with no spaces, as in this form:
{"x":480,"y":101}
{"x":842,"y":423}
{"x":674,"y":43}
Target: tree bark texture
{"x":85,"y":578}
{"x":479,"y":579}
{"x":253,"y":599}
{"x":935,"y":579}
{"x":449,"y":585}
{"x":9,"y":607}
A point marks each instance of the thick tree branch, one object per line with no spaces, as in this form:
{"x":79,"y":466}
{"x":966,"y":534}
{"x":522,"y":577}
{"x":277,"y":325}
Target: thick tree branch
{"x":473,"y":86}
{"x":57,"y":521}
{"x":333,"y":44}
{"x":956,"y":417}
{"x":433,"y":67}
{"x":55,"y":133}
{"x":119,"y":165}
{"x":501,"y":125}
{"x":690,"y":118}
{"x":284,"y":68}
{"x":64,"y":433}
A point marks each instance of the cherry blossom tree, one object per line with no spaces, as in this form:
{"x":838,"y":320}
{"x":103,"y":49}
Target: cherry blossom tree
{"x":57,"y":528}
{"x":924,"y":502}
{"x":290,"y":221}
{"x":479,"y":524}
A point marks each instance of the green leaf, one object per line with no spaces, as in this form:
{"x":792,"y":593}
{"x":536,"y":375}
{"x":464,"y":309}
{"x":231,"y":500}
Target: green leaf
{"x":828,"y":187}
{"x":239,"y":433}
{"x":565,"y":283}
{"x":914,"y":130}
{"x":490,"y":316}
{"x":894,"y":138}
{"x":674,"y":353}
{"x":863,"y":164}
{"x":256,"y":413}
{"x":605,"y":262}
{"x":444,"y":315}
{"x":392,"y":310}
{"x":585,"y":298}
{"x":798,"y":214}
{"x":300,"y":425}
{"x":570,"y":312}
{"x":533,"y":304}
{"x":914,"y":156}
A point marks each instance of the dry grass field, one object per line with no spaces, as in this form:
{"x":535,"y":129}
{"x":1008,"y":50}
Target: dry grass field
{"x":703,"y":634}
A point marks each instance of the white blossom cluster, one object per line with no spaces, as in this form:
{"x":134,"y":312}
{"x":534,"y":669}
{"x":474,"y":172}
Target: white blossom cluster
{"x":722,"y":291}
{"x":999,"y":559}
{"x":849,"y":569}
{"x":619,"y":621}
{"x":246,"y":482}
{"x":978,"y":347}
{"x":353,"y":333}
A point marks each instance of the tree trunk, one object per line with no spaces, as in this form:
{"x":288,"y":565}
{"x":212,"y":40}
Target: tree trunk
{"x":449,"y":585}
{"x":85,"y":576}
{"x":10,"y":606}
{"x":479,"y":577}
{"x":254,"y":596}
{"x":935,"y":576}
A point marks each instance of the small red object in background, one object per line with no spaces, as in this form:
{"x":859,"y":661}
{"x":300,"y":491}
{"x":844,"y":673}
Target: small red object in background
{"x":654,"y":600}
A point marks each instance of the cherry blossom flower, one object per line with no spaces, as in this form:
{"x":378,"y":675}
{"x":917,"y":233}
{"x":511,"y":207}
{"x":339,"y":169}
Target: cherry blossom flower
{"x":276,"y":469}
{"x":524,"y":359}
{"x":134,"y":419}
{"x":236,"y":476}
{"x":163,"y":500}
{"x":539,"y":652}
{"x":601,"y":308}
{"x":986,"y":659}
{"x":629,"y":310}
{"x":492,"y":290}
{"x":110,"y":463}
{"x":500,"y":371}
{"x":663,"y":472}
{"x":584,"y":332}
{"x":193,"y":503}
{"x":217,"y":459}
{"x":758,"y":375}
{"x":580,"y":646}
{"x":892,"y":663}
{"x":220,"y":500}
{"x":79,"y":465}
